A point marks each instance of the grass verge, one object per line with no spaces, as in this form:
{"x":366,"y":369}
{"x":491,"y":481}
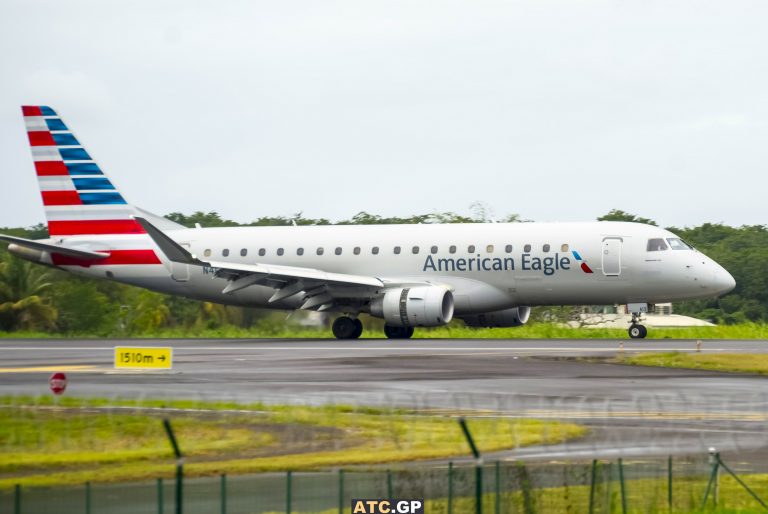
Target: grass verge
{"x":47,"y":442}
{"x":730,"y":362}
{"x":529,"y":331}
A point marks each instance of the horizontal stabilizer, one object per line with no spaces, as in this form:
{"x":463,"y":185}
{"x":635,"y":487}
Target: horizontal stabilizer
{"x":52,"y":248}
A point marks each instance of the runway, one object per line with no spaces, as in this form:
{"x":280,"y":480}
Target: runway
{"x":631,"y":410}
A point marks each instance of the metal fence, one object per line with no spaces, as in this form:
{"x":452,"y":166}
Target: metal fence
{"x":665,"y":485}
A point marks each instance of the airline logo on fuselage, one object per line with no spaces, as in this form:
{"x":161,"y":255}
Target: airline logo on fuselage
{"x":527,"y":262}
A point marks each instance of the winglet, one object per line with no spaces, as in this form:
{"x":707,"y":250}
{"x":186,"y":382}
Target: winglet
{"x":173,"y":250}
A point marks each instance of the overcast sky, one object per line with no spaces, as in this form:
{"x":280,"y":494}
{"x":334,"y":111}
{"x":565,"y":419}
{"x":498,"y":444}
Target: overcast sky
{"x":556,"y":110}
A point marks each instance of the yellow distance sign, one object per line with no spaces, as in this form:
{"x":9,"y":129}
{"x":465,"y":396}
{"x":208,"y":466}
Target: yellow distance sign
{"x":143,"y":357}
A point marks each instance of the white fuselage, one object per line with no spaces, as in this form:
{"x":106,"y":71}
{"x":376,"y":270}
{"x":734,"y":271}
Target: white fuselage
{"x":488,"y":267}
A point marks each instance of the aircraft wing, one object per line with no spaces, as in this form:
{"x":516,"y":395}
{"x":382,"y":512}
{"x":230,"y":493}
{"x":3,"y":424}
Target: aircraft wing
{"x":320,"y":289}
{"x":53,"y":248}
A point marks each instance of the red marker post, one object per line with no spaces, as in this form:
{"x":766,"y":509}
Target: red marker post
{"x":58,"y":382}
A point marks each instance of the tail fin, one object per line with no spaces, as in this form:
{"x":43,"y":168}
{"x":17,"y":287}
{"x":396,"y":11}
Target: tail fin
{"x":78,"y":197}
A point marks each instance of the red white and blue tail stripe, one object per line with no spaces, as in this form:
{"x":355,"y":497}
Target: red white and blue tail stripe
{"x":78,"y":198}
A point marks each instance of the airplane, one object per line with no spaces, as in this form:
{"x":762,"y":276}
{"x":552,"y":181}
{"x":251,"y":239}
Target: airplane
{"x":488,"y":275}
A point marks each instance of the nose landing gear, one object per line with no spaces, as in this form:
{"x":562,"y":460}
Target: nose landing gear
{"x":636,"y":330}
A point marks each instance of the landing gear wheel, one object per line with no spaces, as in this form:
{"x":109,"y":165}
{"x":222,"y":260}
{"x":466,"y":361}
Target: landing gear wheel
{"x":398,"y":332}
{"x":358,"y":329}
{"x":637,"y":331}
{"x":347,"y":328}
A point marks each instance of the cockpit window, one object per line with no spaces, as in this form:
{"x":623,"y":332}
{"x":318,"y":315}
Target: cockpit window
{"x":678,"y":244}
{"x":656,"y":245}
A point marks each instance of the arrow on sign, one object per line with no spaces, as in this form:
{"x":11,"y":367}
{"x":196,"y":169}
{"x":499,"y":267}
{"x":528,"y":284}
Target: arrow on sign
{"x":161,"y":358}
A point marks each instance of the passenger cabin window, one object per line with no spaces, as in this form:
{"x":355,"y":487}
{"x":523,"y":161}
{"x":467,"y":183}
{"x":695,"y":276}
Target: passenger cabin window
{"x":299,"y":251}
{"x":337,"y":251}
{"x":508,"y":248}
{"x":375,"y":250}
{"x":207,"y":252}
{"x":243,"y":252}
{"x":471,"y":249}
{"x":527,"y":248}
{"x":545,"y":248}
{"x":356,"y":250}
{"x":225,"y":252}
{"x":280,"y":251}
{"x":564,"y":248}
{"x":320,"y":250}
{"x":415,"y":249}
{"x":433,"y":249}
{"x":678,"y":244}
{"x":656,"y":245}
{"x":262,"y":252}
{"x":489,"y":249}
{"x":452,"y":249}
{"x":397,"y":250}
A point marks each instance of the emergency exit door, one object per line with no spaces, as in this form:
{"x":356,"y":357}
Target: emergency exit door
{"x":612,"y":256}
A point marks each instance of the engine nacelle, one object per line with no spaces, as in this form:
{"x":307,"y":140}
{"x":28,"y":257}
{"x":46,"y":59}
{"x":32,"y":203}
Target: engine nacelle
{"x":514,"y":317}
{"x":422,"y":306}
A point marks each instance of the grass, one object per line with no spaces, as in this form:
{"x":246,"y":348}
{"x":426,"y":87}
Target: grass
{"x":730,"y":362}
{"x":47,"y":442}
{"x":529,"y":331}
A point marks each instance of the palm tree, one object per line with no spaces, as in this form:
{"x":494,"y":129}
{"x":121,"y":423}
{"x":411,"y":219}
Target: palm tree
{"x":22,"y":305}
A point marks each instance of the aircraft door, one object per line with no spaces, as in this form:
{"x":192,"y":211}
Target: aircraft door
{"x":612,"y":256}
{"x":179,"y":271}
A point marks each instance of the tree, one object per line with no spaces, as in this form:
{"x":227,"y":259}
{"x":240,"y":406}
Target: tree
{"x":22,"y":304}
{"x":619,"y":215}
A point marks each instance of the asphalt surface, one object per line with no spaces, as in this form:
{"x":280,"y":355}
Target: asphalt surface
{"x":631,"y":410}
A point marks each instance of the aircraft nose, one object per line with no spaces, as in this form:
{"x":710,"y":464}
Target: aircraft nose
{"x":723,"y":281}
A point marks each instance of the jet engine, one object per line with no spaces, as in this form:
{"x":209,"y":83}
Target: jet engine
{"x":514,"y":317}
{"x":422,"y":306}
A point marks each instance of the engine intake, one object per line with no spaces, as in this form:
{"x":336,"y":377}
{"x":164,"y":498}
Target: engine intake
{"x":514,"y":317}
{"x":422,"y":306}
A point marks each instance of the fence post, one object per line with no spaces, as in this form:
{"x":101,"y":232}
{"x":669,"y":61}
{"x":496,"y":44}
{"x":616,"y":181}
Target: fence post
{"x":160,"y":496}
{"x":478,"y":466}
{"x":592,"y":484}
{"x":741,"y":482}
{"x":623,"y":490}
{"x":389,"y":484}
{"x":87,"y":498}
{"x":341,"y":491}
{"x":498,"y":487}
{"x":450,"y":487}
{"x":715,"y":461}
{"x":288,"y":491}
{"x":179,"y":466}
{"x":223,"y":493}
{"x":669,"y":482}
{"x":17,"y":499}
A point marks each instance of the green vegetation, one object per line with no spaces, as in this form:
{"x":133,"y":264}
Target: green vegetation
{"x":731,"y":362}
{"x":39,"y":300}
{"x":274,"y":326}
{"x":50,"y":441}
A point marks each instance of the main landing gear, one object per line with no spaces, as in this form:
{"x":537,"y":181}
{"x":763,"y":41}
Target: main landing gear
{"x":636,"y":330}
{"x":351,"y":328}
{"x":393,"y":332}
{"x":347,"y":328}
